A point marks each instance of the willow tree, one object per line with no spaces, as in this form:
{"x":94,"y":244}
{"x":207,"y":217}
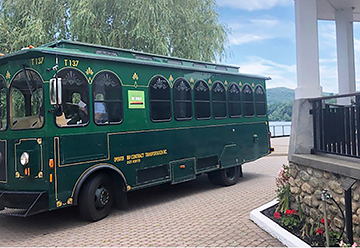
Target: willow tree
{"x":31,"y":22}
{"x":187,"y":28}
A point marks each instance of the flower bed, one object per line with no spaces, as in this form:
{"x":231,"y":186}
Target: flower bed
{"x":317,"y":238}
{"x":313,"y":232}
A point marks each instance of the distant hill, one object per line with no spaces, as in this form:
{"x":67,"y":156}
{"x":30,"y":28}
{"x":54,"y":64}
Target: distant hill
{"x":280,"y":101}
{"x":284,"y":95}
{"x":280,"y":95}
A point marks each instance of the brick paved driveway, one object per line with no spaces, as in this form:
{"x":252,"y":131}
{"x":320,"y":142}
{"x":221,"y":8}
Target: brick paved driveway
{"x":196,"y":213}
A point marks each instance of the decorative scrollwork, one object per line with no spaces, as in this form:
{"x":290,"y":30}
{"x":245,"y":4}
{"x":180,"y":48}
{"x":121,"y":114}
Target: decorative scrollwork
{"x":107,"y":81}
{"x":201,"y":87}
{"x":218,"y":88}
{"x":259,"y":91}
{"x":72,"y":79}
{"x":182,"y":86}
{"x":234,"y":89}
{"x":247,"y":89}
{"x":160,"y":84}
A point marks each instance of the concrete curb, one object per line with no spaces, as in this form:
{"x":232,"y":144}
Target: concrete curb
{"x":274,"y":229}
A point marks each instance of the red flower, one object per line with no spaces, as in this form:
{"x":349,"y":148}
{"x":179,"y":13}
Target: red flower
{"x":323,"y":221}
{"x":277,"y":215}
{"x":320,"y":231}
{"x":290,"y":212}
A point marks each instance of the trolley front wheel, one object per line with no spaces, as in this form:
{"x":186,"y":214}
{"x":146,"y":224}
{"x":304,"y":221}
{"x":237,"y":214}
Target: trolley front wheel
{"x":96,"y":198}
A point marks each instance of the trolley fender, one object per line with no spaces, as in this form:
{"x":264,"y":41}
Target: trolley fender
{"x":111,"y":169}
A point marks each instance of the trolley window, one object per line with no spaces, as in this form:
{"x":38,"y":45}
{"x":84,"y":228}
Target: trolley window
{"x":260,"y":100}
{"x":182,"y":100}
{"x":234,"y":98}
{"x":202,"y":100}
{"x":26,"y":94}
{"x":108,"y":99}
{"x":3,"y":104}
{"x":74,"y":110}
{"x":218,"y":94}
{"x":160,"y":99}
{"x":247,"y":100}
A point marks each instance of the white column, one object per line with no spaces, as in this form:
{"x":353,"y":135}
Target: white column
{"x":345,"y":53}
{"x":307,"y":51}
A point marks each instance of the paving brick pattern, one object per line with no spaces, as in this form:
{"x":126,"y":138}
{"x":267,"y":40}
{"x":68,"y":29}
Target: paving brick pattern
{"x":195,"y":213}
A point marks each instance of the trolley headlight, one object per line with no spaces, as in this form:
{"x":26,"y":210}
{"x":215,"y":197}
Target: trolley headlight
{"x":24,"y":158}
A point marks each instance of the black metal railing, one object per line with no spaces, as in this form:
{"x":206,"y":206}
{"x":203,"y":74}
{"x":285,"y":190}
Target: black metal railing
{"x":336,"y":127}
{"x":280,"y":130}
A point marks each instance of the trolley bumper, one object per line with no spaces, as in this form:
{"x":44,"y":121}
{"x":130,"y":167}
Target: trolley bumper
{"x":22,"y":204}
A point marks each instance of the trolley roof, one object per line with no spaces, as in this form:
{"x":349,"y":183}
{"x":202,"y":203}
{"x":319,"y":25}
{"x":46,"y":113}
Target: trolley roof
{"x":71,"y":48}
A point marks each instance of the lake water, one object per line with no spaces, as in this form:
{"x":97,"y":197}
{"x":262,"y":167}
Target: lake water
{"x":279,"y":128}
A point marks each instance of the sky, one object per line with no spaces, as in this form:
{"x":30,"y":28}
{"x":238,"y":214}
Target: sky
{"x":262,"y":42}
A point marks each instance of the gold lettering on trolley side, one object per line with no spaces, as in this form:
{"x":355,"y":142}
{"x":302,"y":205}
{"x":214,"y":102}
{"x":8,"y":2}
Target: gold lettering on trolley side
{"x":156,"y":153}
{"x":119,"y":159}
{"x":37,"y":61}
{"x":137,"y":157}
{"x":71,"y":62}
{"x":134,"y":161}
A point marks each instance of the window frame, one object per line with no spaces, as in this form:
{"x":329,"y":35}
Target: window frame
{"x":195,"y":101}
{"x":3,"y":82}
{"x":10,"y":100}
{"x":245,"y":102}
{"x":151,"y":81}
{"x":263,"y":102}
{"x":107,"y":101}
{"x":64,"y":102}
{"x":234,"y":102}
{"x":217,"y":101}
{"x":175,"y":101}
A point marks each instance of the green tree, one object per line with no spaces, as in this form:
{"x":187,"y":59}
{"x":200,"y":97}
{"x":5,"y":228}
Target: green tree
{"x":187,"y":28}
{"x":30,"y":22}
{"x":280,"y":111}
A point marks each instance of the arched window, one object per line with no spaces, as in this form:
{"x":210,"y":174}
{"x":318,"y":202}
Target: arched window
{"x":182,"y":100}
{"x":234,"y":99}
{"x":218,"y":94}
{"x":26,"y":94}
{"x":3,"y":104}
{"x":75,"y":99}
{"x":160,"y":99}
{"x":202,"y":100}
{"x":108,"y":99}
{"x":260,"y":100}
{"x":247,"y":98}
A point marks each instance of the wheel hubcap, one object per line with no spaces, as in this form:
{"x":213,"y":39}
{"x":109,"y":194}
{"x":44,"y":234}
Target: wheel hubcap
{"x":102,"y":197}
{"x":230,"y":173}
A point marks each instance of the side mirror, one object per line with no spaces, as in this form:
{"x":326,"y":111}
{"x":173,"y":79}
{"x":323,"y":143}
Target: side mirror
{"x":55,"y":91}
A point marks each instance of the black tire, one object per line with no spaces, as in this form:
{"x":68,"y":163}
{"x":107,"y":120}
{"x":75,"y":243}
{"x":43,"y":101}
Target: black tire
{"x":225,"y":177}
{"x":96,"y":198}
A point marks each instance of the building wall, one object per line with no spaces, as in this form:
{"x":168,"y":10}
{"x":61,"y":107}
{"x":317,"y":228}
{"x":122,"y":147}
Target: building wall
{"x":308,"y":183}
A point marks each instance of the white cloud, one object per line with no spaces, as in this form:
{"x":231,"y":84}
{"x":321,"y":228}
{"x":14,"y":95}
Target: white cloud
{"x":281,"y":75}
{"x":246,"y":38}
{"x":265,"y":28}
{"x":251,"y":5}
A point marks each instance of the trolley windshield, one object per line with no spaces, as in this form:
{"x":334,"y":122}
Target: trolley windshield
{"x":26,"y":99}
{"x":3,"y":104}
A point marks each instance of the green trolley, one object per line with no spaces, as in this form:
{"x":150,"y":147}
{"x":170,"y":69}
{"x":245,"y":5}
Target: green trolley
{"x":83,"y":125}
